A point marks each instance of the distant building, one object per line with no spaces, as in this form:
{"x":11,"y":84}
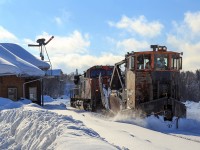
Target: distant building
{"x":54,"y":84}
{"x":20,"y":73}
{"x":54,"y":72}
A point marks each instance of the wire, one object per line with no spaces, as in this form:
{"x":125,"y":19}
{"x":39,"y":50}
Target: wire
{"x":48,"y":59}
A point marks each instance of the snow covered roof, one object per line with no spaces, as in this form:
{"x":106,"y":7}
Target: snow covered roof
{"x":7,"y":67}
{"x":25,"y":55}
{"x":15,"y":60}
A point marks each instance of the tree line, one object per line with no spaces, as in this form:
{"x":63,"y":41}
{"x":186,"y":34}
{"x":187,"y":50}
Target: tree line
{"x":190,"y":85}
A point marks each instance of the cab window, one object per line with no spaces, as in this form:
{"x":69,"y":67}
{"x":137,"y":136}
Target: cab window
{"x":176,"y":62}
{"x":144,"y":61}
{"x":161,"y":61}
{"x":96,"y":72}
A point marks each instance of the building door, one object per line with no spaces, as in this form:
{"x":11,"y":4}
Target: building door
{"x":12,"y":93}
{"x":33,"y":93}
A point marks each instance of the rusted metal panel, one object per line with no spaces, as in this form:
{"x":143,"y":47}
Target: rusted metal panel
{"x":130,"y":87}
{"x":86,"y":88}
{"x":179,"y":109}
{"x":144,"y":92}
{"x":154,"y":107}
{"x":163,"y":105}
{"x":115,"y":102}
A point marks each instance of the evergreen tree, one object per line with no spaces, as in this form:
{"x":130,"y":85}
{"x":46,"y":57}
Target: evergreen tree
{"x":190,"y":85}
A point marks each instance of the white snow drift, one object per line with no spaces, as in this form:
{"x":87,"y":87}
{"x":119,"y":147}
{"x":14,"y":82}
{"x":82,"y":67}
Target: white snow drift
{"x":35,"y":128}
{"x":25,"y":125}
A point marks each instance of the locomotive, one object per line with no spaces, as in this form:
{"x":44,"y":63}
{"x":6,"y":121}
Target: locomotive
{"x":87,"y":91}
{"x":149,"y":82}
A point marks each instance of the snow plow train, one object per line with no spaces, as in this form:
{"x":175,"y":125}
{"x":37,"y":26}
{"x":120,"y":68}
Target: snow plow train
{"x":147,"y":81}
{"x":87,"y":91}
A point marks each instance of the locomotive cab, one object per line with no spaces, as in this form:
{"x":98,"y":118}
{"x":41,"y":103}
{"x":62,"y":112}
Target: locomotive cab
{"x":150,"y":82}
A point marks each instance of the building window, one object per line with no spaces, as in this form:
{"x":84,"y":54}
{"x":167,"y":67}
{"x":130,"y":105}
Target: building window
{"x":12,"y":93}
{"x":33,"y":93}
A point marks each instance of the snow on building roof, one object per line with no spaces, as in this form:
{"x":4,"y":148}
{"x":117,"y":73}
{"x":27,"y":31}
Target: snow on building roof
{"x":25,"y":55}
{"x":11,"y":64}
{"x":4,"y":65}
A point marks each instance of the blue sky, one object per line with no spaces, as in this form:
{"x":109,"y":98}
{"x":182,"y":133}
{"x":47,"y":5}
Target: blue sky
{"x":92,"y":32}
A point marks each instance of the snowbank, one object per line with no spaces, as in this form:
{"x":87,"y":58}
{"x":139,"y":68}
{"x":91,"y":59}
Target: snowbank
{"x":193,"y":110}
{"x":188,"y":128}
{"x":192,"y":122}
{"x":9,"y":104}
{"x":48,"y":98}
{"x":28,"y":127}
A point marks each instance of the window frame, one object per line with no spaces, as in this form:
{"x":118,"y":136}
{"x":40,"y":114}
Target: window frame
{"x":12,"y":93}
{"x":176,"y":62}
{"x":166,"y":60}
{"x":145,"y":58}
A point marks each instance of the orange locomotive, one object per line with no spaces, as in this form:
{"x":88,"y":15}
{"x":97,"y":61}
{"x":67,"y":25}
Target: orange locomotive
{"x":149,"y":82}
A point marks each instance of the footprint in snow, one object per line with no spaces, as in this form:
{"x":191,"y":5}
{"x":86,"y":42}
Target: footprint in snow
{"x":148,"y":141}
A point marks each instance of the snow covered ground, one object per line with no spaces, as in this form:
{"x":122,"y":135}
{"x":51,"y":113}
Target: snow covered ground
{"x":25,"y":125}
